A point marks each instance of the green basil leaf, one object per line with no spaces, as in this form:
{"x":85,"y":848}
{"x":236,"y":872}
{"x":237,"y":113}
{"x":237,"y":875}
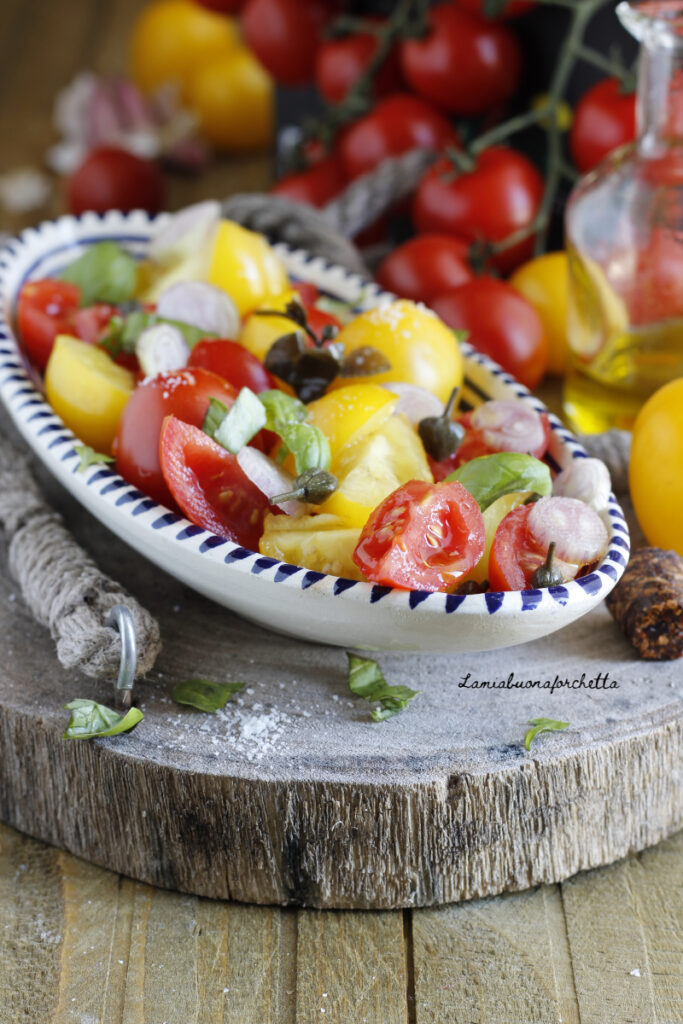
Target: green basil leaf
{"x":205,"y":695}
{"x":90,"y":719}
{"x":308,"y":445}
{"x":104,"y":273}
{"x":89,"y":457}
{"x":491,"y":476}
{"x":367,"y":680}
{"x":542,"y":725}
{"x":243,"y":421}
{"x":123,"y":332}
{"x":281,"y":409}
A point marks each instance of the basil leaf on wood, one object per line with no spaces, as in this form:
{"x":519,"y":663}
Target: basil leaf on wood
{"x":104,"y":273}
{"x":367,"y":680}
{"x":89,"y":457}
{"x":90,"y":719}
{"x":489,"y":477}
{"x":542,"y":725}
{"x":205,"y":695}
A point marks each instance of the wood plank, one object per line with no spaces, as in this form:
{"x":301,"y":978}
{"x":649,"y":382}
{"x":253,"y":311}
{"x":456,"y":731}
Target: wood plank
{"x":351,"y":968}
{"x":494,"y":961}
{"x":31,"y":928}
{"x":627,"y":919}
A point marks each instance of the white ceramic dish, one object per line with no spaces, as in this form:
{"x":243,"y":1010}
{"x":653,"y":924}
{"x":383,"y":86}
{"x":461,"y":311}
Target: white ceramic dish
{"x":287,"y":598}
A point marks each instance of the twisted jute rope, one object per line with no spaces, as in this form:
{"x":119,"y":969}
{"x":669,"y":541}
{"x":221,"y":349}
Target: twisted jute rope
{"x":61,"y":584}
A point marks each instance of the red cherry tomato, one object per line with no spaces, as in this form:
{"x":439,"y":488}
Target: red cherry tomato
{"x":397,"y":124}
{"x":422,"y":536}
{"x":501,"y":323}
{"x":499,"y":196}
{"x":425,"y":266}
{"x":317,"y":185}
{"x":340,"y":62}
{"x":114,"y":179}
{"x":307,"y":292}
{"x":284,"y":35}
{"x":512,"y":9}
{"x":184,"y":394}
{"x":234,"y":363}
{"x":604,"y":118}
{"x":45,"y":309}
{"x":465,"y":64}
{"x":209,"y":485}
{"x":497,"y":426}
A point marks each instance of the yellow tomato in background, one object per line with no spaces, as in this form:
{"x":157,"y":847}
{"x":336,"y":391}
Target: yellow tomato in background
{"x":88,"y":390}
{"x":419,"y":346}
{"x":172,"y":38}
{"x":544,"y":282}
{"x":233,"y":97}
{"x":245,"y":266}
{"x":656,"y":467}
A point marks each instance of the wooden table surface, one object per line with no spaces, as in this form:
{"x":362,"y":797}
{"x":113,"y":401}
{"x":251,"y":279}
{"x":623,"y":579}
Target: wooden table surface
{"x":79,"y":944}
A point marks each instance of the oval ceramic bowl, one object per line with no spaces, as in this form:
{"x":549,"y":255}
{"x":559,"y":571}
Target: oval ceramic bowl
{"x":287,"y":598}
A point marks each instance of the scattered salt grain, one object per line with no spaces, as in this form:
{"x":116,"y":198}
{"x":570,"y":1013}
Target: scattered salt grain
{"x":635,"y":973}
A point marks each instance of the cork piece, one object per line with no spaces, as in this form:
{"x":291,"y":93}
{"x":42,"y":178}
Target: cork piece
{"x":647,"y":603}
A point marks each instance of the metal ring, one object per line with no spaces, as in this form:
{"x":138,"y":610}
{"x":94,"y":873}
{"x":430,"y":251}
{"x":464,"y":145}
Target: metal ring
{"x":121,"y":619}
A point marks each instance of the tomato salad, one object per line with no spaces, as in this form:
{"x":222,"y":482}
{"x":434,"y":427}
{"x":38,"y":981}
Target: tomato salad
{"x":285,"y":422}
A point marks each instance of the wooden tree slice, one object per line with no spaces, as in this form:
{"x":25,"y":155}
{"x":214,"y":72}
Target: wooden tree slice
{"x":291,"y":794}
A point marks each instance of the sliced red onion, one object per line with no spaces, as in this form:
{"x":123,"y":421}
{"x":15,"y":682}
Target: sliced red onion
{"x":414,"y":402}
{"x":510,"y":426}
{"x":578,"y":531}
{"x":585,"y":479}
{"x":161,"y":349}
{"x":186,"y":230}
{"x":202,"y":305}
{"x":270,"y":478}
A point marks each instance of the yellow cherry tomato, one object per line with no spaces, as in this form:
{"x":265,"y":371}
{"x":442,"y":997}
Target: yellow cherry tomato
{"x":655,"y":474}
{"x":233,"y":97}
{"x":172,"y":38}
{"x":349,"y":413}
{"x":371,"y":468}
{"x":419,"y":346}
{"x":87,"y":389}
{"x":259,"y":332}
{"x":321,"y":542}
{"x":544,"y":282}
{"x":245,"y":266}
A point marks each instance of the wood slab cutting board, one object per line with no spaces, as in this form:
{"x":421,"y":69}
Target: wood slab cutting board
{"x":293,"y":795}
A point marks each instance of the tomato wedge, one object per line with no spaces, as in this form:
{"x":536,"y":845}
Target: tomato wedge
{"x":422,"y":536}
{"x":522,"y":540}
{"x":209,"y":485}
{"x":44,"y":310}
{"x":182,"y":393}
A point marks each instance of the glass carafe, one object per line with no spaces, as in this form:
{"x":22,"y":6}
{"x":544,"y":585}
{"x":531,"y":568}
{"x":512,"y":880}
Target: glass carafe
{"x":624,"y":226}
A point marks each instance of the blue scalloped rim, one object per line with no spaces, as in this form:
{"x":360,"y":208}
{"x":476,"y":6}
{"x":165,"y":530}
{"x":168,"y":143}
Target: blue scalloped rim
{"x":55,"y":443}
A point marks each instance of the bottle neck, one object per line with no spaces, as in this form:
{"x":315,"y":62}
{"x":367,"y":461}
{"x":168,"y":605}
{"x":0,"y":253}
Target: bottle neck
{"x":659,"y":100}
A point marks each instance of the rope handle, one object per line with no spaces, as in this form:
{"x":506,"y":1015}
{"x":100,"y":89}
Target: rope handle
{"x":62,"y":586}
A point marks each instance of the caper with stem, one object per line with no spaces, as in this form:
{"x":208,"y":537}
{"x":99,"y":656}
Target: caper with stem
{"x":442,"y":435}
{"x":547,"y":575}
{"x":313,"y":485}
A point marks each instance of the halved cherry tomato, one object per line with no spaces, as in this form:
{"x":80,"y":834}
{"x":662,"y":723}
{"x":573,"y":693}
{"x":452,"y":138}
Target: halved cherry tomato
{"x":422,"y":536}
{"x":90,"y":323}
{"x":44,"y":310}
{"x":184,"y":394}
{"x":523,"y":538}
{"x":234,"y":363}
{"x":425,"y":266}
{"x":500,"y":322}
{"x":209,"y":485}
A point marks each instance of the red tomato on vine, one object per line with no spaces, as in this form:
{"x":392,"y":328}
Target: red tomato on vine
{"x":465,"y":64}
{"x":397,"y":124}
{"x":316,"y":185}
{"x":499,"y":196}
{"x":425,"y":266}
{"x":339,"y":63}
{"x":284,"y":34}
{"x":604,"y":118}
